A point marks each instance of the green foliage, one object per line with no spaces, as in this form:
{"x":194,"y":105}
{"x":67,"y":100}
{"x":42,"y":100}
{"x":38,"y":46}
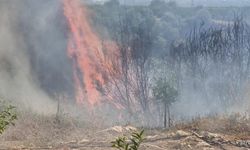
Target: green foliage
{"x":7,"y":117}
{"x":132,"y":143}
{"x":165,"y":92}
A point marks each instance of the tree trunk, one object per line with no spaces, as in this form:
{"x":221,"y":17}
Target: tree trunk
{"x":165,"y":115}
{"x":169,"y":117}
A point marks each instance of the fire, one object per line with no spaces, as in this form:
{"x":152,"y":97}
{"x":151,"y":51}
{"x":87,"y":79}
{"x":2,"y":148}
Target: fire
{"x":83,"y":46}
{"x":86,"y":50}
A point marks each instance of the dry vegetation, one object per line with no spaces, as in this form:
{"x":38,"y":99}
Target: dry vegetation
{"x":50,"y":132}
{"x":236,"y":125}
{"x":41,"y":130}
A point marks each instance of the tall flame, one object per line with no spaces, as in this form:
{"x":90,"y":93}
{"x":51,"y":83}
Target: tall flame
{"x":84,"y":47}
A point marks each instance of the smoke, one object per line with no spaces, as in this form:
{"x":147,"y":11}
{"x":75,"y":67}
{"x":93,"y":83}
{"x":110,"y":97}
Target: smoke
{"x":34,"y":58}
{"x":35,"y":66}
{"x":44,"y":28}
{"x":32,"y":54}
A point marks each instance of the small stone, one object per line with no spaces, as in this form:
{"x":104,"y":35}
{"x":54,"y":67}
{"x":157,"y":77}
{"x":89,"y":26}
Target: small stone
{"x":84,"y":141}
{"x":181,"y":133}
{"x":130,"y":128}
{"x":151,"y":137}
{"x":118,"y":129}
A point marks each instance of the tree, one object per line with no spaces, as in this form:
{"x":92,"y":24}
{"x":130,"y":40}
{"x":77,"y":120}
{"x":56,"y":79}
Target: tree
{"x":158,"y":7}
{"x":216,"y":61}
{"x":112,"y":3}
{"x":141,"y":53}
{"x":167,"y":95}
{"x":129,"y":74}
{"x":172,"y":3}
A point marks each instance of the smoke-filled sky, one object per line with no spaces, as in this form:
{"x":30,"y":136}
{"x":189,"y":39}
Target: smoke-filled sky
{"x":194,"y":2}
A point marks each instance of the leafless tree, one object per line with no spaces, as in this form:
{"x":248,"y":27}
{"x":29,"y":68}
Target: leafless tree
{"x":130,"y":83}
{"x":219,"y":51}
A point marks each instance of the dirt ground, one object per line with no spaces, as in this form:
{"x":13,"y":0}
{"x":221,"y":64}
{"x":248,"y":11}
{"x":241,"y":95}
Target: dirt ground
{"x":211,"y":133}
{"x":156,"y":140}
{"x":172,"y":140}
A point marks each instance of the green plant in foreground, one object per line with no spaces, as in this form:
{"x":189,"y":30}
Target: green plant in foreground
{"x":132,"y":143}
{"x":7,"y":117}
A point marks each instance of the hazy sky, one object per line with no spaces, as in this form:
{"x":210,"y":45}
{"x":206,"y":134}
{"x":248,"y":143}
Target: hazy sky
{"x":196,"y":2}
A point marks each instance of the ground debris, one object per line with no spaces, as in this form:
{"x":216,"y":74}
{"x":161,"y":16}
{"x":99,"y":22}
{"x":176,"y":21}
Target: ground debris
{"x":158,"y":140}
{"x":220,"y":140}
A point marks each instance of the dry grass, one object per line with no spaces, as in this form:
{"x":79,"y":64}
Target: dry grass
{"x":235,"y":125}
{"x":41,"y":130}
{"x":47,"y":130}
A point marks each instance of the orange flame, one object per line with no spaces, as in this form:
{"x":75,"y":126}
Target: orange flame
{"x":83,"y":46}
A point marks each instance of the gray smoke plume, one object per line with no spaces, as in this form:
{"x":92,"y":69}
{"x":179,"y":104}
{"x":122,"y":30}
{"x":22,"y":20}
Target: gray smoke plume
{"x":33,"y":58}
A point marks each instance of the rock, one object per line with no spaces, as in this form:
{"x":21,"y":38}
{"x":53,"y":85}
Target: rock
{"x":241,"y":143}
{"x":121,"y":129}
{"x":130,"y":128}
{"x":181,"y":134}
{"x":117,"y":129}
{"x":83,"y":141}
{"x":203,"y":144}
{"x":189,"y":146}
{"x":210,"y":135}
{"x":72,"y":142}
{"x":151,"y":137}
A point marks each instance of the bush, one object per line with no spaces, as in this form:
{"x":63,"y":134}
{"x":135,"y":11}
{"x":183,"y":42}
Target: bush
{"x":7,"y":117}
{"x":132,"y":143}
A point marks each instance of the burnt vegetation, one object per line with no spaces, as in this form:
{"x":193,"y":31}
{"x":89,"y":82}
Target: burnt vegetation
{"x":180,"y":73}
{"x":171,"y":62}
{"x":172,"y":57}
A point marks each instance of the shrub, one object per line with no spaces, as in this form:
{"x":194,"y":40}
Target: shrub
{"x":132,"y":143}
{"x":7,"y":117}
